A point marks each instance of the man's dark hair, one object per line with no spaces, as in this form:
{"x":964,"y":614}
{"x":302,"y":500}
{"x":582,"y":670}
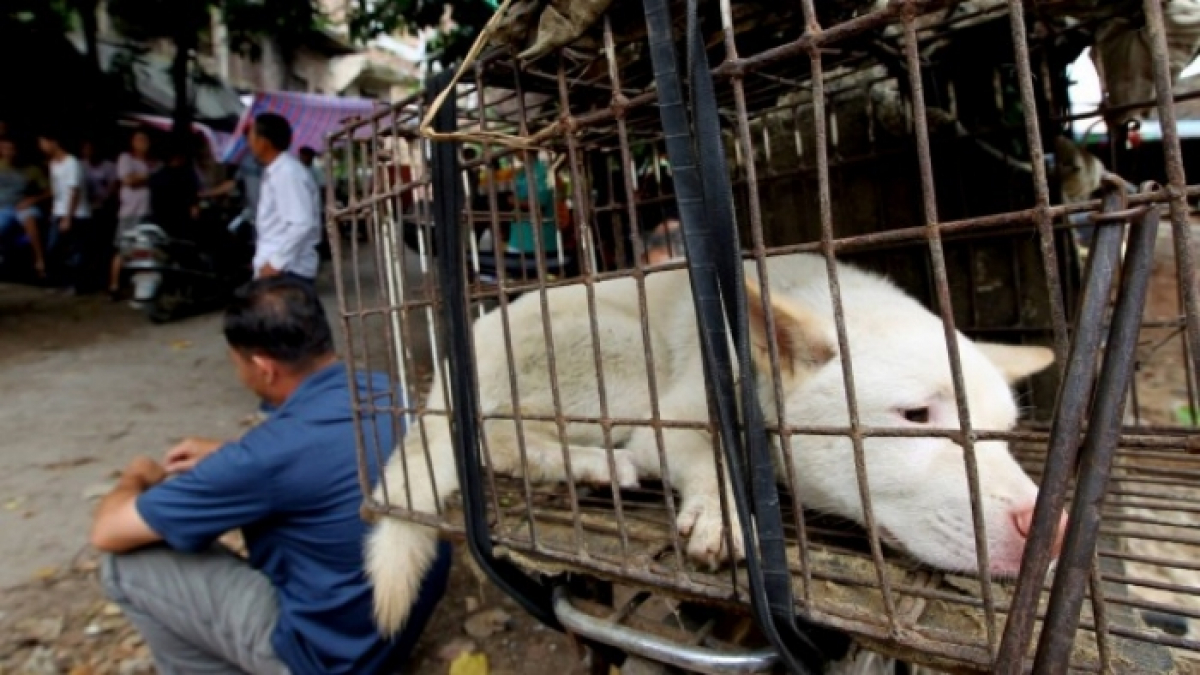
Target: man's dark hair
{"x":275,"y":128}
{"x":281,"y":318}
{"x":306,"y":151}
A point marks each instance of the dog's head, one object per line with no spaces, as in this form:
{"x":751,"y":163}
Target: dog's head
{"x":902,"y":379}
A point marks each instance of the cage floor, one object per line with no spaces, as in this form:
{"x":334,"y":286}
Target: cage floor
{"x":1149,"y":563}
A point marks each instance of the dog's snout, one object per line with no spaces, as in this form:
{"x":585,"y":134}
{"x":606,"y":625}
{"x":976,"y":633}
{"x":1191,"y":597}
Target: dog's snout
{"x":1023,"y":521}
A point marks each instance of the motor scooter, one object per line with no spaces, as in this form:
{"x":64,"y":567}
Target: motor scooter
{"x":179,"y":273}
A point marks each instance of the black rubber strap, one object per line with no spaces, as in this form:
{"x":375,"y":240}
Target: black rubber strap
{"x":704,"y":195}
{"x":535,"y":598}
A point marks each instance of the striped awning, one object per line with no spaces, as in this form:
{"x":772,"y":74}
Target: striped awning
{"x":312,"y":116}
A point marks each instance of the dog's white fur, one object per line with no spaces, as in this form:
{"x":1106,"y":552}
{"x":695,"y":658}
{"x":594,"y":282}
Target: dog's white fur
{"x":918,"y":486}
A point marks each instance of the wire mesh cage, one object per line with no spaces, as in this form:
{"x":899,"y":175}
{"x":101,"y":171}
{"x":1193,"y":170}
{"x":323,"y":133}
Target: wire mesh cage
{"x":927,"y":143}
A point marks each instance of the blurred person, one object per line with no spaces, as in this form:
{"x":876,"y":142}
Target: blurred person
{"x":300,"y":603}
{"x":664,"y":243}
{"x":102,"y":187}
{"x":208,"y":169}
{"x":70,"y":209}
{"x":308,"y":157}
{"x":18,"y":204}
{"x":175,"y":192}
{"x":133,"y":170}
{"x":288,"y":222}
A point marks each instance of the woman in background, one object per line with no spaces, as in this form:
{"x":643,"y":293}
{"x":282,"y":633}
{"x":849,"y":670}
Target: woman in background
{"x":133,"y":170}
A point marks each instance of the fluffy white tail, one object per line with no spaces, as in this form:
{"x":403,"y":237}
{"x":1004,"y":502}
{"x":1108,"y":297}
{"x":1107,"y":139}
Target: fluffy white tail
{"x":399,"y":553}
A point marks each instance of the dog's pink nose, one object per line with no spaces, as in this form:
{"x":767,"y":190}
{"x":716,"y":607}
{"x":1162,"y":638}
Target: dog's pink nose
{"x":1023,"y":521}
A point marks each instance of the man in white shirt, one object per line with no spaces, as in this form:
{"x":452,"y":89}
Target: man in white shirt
{"x":71,"y":210}
{"x":288,"y":220}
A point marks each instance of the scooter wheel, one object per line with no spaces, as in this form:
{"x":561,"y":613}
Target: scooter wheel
{"x":166,"y":307}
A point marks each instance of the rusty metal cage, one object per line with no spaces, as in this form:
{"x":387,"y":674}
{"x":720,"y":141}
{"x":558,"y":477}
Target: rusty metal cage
{"x":923,"y":140}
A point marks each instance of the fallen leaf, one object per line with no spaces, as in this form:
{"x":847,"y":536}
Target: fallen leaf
{"x":69,"y":463}
{"x":45,"y":573}
{"x":82,"y":670}
{"x":487,"y":623}
{"x":14,"y":504}
{"x":470,"y":664}
{"x":181,"y":344}
{"x":111,"y":609}
{"x":455,"y":648}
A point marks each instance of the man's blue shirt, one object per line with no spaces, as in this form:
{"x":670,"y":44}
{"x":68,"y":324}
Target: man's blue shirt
{"x":291,"y":484}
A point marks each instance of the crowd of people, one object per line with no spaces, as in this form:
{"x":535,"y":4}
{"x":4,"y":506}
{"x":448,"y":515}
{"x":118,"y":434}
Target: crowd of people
{"x":67,"y":204}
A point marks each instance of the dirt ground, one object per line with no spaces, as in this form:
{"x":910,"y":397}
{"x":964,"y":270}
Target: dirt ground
{"x":87,"y":386}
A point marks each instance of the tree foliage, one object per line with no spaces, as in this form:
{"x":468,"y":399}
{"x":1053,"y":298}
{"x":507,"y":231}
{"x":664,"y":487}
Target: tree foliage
{"x":370,"y":18}
{"x":288,"y":22}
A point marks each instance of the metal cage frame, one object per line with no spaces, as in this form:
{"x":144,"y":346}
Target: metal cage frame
{"x":1094,"y":321}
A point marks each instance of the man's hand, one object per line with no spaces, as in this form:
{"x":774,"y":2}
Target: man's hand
{"x":186,"y":455}
{"x":144,"y":473}
{"x":64,"y":225}
{"x":268,"y":271}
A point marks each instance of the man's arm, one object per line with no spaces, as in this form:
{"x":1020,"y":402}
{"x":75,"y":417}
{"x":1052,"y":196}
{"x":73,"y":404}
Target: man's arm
{"x":220,"y":190}
{"x":117,"y":526}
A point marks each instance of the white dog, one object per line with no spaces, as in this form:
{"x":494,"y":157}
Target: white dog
{"x":902,"y":379}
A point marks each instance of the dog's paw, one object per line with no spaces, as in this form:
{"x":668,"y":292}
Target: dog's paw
{"x":700,"y":520}
{"x":627,"y":473}
{"x":594,"y":468}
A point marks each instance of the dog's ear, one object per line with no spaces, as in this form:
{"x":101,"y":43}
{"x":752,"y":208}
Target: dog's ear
{"x":799,"y":334}
{"x":1017,"y":362}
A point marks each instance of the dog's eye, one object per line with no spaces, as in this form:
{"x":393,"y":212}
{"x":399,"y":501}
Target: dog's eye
{"x":917,"y":415}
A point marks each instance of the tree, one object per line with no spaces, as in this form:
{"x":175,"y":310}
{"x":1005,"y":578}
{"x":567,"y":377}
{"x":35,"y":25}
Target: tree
{"x":370,"y":18}
{"x":184,"y":21}
{"x":288,"y":22}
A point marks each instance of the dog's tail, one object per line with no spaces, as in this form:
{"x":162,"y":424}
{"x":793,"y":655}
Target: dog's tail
{"x":399,"y":553}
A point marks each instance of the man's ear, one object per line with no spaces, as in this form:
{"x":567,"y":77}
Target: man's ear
{"x":1017,"y":362}
{"x":800,"y":336}
{"x":267,"y":368}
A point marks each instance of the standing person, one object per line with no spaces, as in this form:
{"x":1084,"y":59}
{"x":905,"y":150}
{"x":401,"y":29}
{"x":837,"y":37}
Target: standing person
{"x":175,"y":193}
{"x":209,"y":171}
{"x":308,"y":157}
{"x":102,"y":190}
{"x":102,"y":181}
{"x":17,"y":208}
{"x":288,"y":221}
{"x":70,"y":210}
{"x":133,"y":169}
{"x":300,"y":604}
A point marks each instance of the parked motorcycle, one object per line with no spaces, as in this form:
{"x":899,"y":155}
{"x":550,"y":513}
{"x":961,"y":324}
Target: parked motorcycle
{"x":176,"y":274}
